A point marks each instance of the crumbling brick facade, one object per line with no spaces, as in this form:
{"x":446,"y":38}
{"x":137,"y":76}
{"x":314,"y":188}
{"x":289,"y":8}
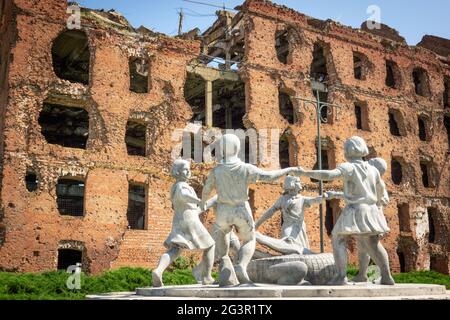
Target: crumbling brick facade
{"x":391,"y":94}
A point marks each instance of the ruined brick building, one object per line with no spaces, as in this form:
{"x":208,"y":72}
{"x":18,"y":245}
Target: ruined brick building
{"x":87,"y":118}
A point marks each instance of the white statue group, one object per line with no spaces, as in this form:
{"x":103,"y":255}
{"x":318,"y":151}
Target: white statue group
{"x":364,"y":194}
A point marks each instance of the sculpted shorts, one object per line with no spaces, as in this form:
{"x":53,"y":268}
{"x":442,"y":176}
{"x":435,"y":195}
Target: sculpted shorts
{"x":239,"y":216}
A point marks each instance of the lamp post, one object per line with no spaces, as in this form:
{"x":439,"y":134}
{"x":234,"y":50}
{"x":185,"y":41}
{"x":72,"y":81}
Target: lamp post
{"x":319,"y":87}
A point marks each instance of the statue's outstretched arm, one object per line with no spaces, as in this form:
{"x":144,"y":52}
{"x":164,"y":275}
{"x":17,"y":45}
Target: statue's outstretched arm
{"x":310,"y":201}
{"x":335,"y":195}
{"x":270,"y":176}
{"x":267,"y":215}
{"x":207,"y":189}
{"x":324,"y":175}
{"x":211,"y":203}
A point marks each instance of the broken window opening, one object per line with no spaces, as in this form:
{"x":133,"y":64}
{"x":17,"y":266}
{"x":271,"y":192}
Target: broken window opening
{"x":439,"y":264}
{"x":447,"y":127}
{"x":194,"y":94}
{"x":423,"y":128}
{"x":2,"y":10}
{"x":358,"y":66}
{"x":2,"y":235}
{"x":372,"y":154}
{"x":432,"y":214}
{"x":402,"y":261}
{"x":319,"y":70}
{"x":31,"y":181}
{"x":284,"y":152}
{"x":325,"y":117}
{"x":362,"y":118}
{"x":70,"y":197}
{"x":136,"y":206}
{"x":282,"y":45}
{"x":247,"y":150}
{"x":286,"y":107}
{"x":328,"y":161}
{"x":392,"y":75}
{"x":433,"y":263}
{"x":139,"y":71}
{"x":68,"y":258}
{"x":395,"y":123}
{"x":396,"y":172}
{"x":71,"y":56}
{"x":228,"y":102}
{"x":331,"y":215}
{"x":425,"y":167}
{"x":403,"y":217}
{"x":446,"y":96}
{"x":64,"y":126}
{"x":135,"y":138}
{"x":421,"y":85}
{"x":190,"y":144}
{"x":251,"y":201}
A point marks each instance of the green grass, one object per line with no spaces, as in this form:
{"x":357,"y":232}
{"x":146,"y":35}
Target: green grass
{"x":52,"y":285}
{"x":424,"y":277}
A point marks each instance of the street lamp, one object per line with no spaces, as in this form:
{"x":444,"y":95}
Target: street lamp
{"x":320,"y":87}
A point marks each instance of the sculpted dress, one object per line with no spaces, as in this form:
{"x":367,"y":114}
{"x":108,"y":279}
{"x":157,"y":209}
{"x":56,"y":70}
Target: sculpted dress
{"x":294,"y":227}
{"x":188,"y":232}
{"x":364,"y":191}
{"x":294,"y":238}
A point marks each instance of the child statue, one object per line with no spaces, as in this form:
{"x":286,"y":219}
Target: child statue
{"x":188,"y":232}
{"x":364,"y":191}
{"x":293,"y":230}
{"x":363,"y":257}
{"x":231,"y":179}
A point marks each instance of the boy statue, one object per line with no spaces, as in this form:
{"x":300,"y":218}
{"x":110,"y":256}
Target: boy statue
{"x":231,"y":179}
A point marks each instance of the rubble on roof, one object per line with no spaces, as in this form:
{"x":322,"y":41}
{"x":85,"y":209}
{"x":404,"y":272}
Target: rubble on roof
{"x":438,"y":45}
{"x":385,"y":31}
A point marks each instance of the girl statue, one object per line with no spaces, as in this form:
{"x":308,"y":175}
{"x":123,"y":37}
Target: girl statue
{"x":363,"y":257}
{"x":293,"y":230}
{"x":188,"y":232}
{"x":364,"y":192}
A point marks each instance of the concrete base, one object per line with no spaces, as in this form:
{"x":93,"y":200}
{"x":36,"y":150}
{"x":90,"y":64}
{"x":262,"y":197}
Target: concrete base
{"x":352,"y":291}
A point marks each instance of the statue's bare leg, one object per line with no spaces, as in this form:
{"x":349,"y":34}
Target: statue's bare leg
{"x":222,"y":239}
{"x":245,"y":256}
{"x":380,"y":256}
{"x":340,"y":258}
{"x":363,"y":260}
{"x":235,"y":245}
{"x":208,"y":262}
{"x":279,"y":245}
{"x":245,"y":226}
{"x":166,"y":260}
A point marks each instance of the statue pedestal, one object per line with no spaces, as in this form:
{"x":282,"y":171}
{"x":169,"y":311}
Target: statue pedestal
{"x":352,"y":291}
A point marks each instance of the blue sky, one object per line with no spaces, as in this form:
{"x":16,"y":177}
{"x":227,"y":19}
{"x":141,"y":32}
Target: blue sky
{"x":412,"y":18}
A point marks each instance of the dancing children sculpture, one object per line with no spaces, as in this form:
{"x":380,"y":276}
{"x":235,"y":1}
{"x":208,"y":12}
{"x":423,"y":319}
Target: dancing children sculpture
{"x":363,"y":257}
{"x":293,"y":230}
{"x":188,"y":232}
{"x":364,"y":191}
{"x":231,"y":180}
